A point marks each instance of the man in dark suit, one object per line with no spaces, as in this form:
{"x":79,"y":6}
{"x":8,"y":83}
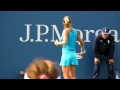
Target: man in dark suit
{"x":103,"y":48}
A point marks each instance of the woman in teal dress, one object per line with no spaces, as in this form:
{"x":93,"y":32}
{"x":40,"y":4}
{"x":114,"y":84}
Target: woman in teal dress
{"x":68,"y":42}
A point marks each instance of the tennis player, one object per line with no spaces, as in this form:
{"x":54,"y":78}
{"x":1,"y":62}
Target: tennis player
{"x":68,"y":42}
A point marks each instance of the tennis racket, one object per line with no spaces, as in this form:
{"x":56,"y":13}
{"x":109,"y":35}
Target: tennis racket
{"x":79,"y":56}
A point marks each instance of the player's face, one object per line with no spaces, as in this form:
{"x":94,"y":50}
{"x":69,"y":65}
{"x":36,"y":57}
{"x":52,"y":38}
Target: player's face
{"x":64,"y":24}
{"x":105,"y":36}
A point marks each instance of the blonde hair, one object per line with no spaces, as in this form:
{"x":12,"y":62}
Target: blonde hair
{"x":42,"y":67}
{"x":67,"y":22}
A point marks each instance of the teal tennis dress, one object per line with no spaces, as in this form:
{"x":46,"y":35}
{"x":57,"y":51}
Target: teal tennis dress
{"x":68,"y":51}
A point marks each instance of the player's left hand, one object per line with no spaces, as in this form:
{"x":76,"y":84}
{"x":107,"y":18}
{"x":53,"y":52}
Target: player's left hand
{"x":83,"y":51}
{"x":56,"y":42}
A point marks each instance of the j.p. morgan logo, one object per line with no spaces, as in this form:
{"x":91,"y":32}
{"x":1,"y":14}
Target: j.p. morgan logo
{"x":55,"y":32}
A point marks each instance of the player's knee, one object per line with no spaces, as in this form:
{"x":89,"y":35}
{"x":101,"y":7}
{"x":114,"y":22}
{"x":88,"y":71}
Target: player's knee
{"x":66,"y":75}
{"x":72,"y":75}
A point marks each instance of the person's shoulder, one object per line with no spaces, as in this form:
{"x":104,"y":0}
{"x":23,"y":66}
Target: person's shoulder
{"x":67,"y":29}
{"x":111,"y":37}
{"x":98,"y":36}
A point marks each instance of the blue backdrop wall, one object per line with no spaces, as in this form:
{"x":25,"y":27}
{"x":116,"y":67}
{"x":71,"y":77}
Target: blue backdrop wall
{"x":25,"y":35}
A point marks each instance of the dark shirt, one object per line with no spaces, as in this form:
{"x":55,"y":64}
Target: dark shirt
{"x":104,"y":47}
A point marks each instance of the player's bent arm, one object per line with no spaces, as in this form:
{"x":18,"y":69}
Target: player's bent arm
{"x":65,"y":36}
{"x":80,"y":41}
